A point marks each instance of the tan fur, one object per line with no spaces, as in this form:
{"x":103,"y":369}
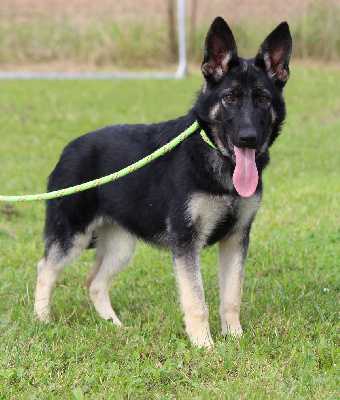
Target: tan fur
{"x":205,"y":211}
{"x":231,"y":267}
{"x":48,"y":272}
{"x":114,"y":252}
{"x":193,"y":305}
{"x":214,"y":111}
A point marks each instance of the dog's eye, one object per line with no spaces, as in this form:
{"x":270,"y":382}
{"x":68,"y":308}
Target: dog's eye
{"x":263,"y":99}
{"x":230,"y":97}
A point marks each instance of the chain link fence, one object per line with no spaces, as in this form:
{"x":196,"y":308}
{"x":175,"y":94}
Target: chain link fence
{"x":115,"y":35}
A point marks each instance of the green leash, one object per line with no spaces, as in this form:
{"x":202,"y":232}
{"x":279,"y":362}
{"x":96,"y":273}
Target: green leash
{"x":114,"y":176}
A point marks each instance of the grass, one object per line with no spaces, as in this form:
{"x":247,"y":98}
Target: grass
{"x":143,"y":44}
{"x":289,"y":311}
{"x":130,"y":45}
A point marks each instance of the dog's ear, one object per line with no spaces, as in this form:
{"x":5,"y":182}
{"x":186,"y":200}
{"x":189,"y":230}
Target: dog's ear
{"x":220,"y":50}
{"x":274,"y":55}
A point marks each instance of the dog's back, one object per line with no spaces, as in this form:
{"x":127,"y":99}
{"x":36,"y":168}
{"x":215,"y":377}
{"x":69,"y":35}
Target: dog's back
{"x":139,"y":202}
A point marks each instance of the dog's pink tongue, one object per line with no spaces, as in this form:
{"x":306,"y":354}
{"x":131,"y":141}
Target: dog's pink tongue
{"x":245,"y":176}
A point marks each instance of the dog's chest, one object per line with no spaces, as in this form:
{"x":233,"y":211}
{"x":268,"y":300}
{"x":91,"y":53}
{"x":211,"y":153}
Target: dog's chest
{"x":218,"y":216}
{"x":206,"y":212}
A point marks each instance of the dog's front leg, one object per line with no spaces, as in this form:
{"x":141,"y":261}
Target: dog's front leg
{"x":189,"y":279}
{"x":232,"y":254}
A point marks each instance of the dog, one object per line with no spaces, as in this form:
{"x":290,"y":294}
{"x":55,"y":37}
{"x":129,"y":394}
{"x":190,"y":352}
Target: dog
{"x":192,"y":197}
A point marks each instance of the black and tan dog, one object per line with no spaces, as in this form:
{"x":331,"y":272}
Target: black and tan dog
{"x":190,"y":198}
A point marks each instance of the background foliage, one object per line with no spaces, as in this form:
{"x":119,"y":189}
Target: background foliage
{"x":87,"y":34}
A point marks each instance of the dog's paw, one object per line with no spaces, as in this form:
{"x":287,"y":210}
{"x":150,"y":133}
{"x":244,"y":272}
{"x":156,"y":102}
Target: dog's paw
{"x":201,"y":339}
{"x":207,"y":343}
{"x":43,"y":315}
{"x":235,"y":331}
{"x":115,"y":320}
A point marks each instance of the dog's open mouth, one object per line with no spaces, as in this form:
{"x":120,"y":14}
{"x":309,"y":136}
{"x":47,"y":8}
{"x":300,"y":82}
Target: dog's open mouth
{"x":232,"y":149}
{"x":245,"y":177}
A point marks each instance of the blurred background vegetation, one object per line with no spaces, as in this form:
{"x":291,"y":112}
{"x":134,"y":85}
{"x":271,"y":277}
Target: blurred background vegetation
{"x":130,"y":35}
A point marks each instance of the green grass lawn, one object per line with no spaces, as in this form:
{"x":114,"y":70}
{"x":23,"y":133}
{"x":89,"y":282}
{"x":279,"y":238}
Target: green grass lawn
{"x":289,"y":310}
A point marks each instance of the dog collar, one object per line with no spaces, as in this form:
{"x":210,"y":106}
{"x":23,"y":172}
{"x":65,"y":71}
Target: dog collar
{"x":207,"y":140}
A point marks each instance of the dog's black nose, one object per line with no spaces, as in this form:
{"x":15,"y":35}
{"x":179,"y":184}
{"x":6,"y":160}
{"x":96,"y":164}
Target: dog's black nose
{"x":248,"y":138}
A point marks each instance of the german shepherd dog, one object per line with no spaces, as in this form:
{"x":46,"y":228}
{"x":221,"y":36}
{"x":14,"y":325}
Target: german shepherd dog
{"x":192,"y":197}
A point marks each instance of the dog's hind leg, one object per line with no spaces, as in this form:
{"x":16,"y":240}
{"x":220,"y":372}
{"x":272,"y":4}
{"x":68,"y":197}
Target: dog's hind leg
{"x":49,"y":268}
{"x":115,"y":248}
{"x":94,"y":271}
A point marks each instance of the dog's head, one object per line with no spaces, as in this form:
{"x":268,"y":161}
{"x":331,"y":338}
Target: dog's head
{"x":241,"y":103}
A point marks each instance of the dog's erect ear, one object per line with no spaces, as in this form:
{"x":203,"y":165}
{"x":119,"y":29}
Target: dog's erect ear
{"x":220,"y":49}
{"x":274,"y":55}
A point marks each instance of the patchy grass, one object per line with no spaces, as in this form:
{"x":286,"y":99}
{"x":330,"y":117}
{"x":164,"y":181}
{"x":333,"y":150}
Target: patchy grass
{"x":289,"y":310}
